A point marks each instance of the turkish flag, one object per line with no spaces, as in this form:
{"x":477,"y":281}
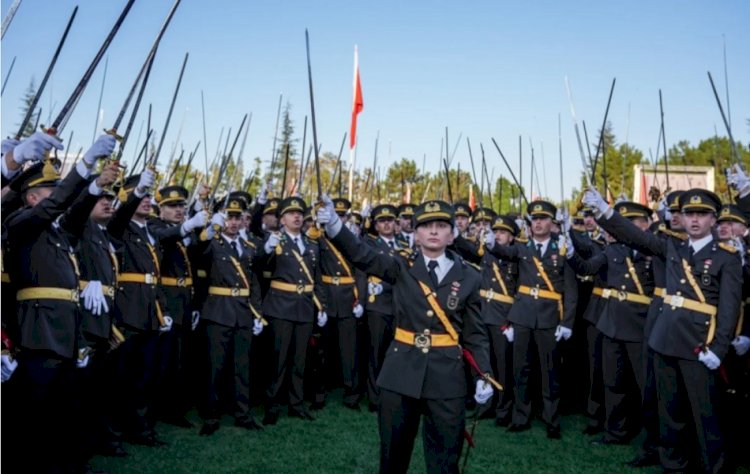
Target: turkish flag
{"x":358,"y":104}
{"x":472,"y":200}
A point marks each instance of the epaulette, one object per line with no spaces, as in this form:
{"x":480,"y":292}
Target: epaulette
{"x":728,"y":247}
{"x":677,"y":235}
{"x":473,"y":265}
{"x":521,"y":240}
{"x":313,"y":233}
{"x":249,"y":244}
{"x":599,"y":241}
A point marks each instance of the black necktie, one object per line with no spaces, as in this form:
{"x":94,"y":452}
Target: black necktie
{"x":296,"y":243}
{"x":432,"y":265}
{"x":691,"y":251}
{"x":235,"y":249}
{"x":539,"y":250}
{"x":393,"y":246}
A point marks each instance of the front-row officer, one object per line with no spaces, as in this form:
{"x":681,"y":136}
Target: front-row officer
{"x":437,"y":304}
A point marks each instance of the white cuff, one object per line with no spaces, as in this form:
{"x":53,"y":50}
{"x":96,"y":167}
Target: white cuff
{"x":334,"y":227}
{"x":83,"y":170}
{"x":183,"y":229}
{"x":607,"y":214}
{"x":94,"y":189}
{"x":138,"y":193}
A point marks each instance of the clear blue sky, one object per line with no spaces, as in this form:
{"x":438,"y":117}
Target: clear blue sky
{"x":482,"y":68}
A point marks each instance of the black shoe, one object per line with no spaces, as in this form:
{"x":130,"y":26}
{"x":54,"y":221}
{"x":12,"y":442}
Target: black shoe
{"x":301,"y":413}
{"x":605,"y":441}
{"x":248,"y":424}
{"x":271,"y":418}
{"x":209,"y":428}
{"x":553,"y":433}
{"x":315,"y":406}
{"x":593,"y":429}
{"x":516,"y":428}
{"x":372,"y":408}
{"x":352,"y":406}
{"x":502,"y":422}
{"x":180,"y":421}
{"x":113,"y":450}
{"x":644,"y":460}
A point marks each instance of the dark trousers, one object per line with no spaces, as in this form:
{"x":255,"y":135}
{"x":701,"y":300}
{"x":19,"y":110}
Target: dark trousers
{"x":338,"y":348}
{"x":622,"y":364}
{"x":228,"y":349}
{"x":179,"y":383}
{"x":687,"y":398}
{"x":442,"y":432}
{"x":650,"y":406}
{"x":138,"y":368}
{"x":595,"y":401}
{"x":734,"y":411}
{"x":502,"y":368}
{"x":381,"y":335}
{"x":546,"y":351}
{"x":44,"y":414}
{"x":290,"y":340}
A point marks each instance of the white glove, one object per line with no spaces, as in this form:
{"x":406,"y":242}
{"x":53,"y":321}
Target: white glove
{"x":82,"y":362}
{"x":34,"y":147}
{"x":374,"y":289}
{"x":741,"y":345}
{"x":145,"y":182}
{"x":483,"y":392}
{"x":262,"y":198}
{"x":508,"y":333}
{"x":93,"y":298}
{"x":739,"y":244}
{"x":197,"y":221}
{"x":738,"y":180}
{"x":564,"y":218}
{"x":9,"y":365}
{"x":567,"y":242}
{"x":710,"y":359}
{"x":218,"y":220}
{"x":102,"y":148}
{"x":563,"y":333}
{"x":594,"y":200}
{"x":257,"y":327}
{"x":196,"y":317}
{"x":327,"y":214}
{"x":322,"y":318}
{"x":167,"y":324}
{"x":198,"y":205}
{"x":366,"y":211}
{"x":358,"y":311}
{"x":273,"y":240}
{"x":8,"y":144}
{"x":489,"y":240}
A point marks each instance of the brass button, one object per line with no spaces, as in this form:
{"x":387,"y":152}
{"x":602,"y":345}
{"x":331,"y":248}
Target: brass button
{"x":430,"y":313}
{"x":627,"y":275}
{"x":426,"y":332}
{"x":682,"y":281}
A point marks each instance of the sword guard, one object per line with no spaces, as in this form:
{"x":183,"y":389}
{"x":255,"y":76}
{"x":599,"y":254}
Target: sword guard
{"x":113,"y":132}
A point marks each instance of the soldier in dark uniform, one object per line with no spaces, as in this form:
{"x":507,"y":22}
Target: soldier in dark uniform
{"x":542,"y":314}
{"x":379,"y":307}
{"x":463,"y":214}
{"x":695,"y":326}
{"x":338,"y":343}
{"x":437,"y":304}
{"x":43,"y":267}
{"x":629,"y":285}
{"x":295,"y":295}
{"x":230,"y":315}
{"x":498,"y":285}
{"x":406,"y":231}
{"x":176,"y":236}
{"x":140,"y":312}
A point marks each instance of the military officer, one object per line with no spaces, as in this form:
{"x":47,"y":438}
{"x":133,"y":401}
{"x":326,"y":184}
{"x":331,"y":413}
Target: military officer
{"x":406,"y":230}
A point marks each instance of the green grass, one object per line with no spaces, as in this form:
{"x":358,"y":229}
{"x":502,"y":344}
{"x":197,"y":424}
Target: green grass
{"x":340,"y":440}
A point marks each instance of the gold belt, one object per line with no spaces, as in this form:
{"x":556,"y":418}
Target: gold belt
{"x":424,"y":340}
{"x":608,"y":293}
{"x":178,"y":282}
{"x":659,"y":292}
{"x":681,"y":302}
{"x":221,"y":291}
{"x":338,"y":280}
{"x":291,"y":287}
{"x":147,"y":278}
{"x":5,"y":278}
{"x":491,"y":295}
{"x":539,"y":293}
{"x":106,"y":289}
{"x":46,"y":293}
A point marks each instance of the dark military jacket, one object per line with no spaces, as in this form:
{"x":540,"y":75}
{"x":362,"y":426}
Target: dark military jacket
{"x":341,"y":297}
{"x":626,"y":271}
{"x":282,"y":266}
{"x":678,"y":331}
{"x":383,"y":303}
{"x":437,"y":373}
{"x":586,"y":247}
{"x":227,"y":271}
{"x":40,"y":254}
{"x":537,"y":312}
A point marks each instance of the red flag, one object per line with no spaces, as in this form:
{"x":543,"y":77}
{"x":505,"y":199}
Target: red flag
{"x":472,"y":200}
{"x":358,"y":104}
{"x":644,"y":191}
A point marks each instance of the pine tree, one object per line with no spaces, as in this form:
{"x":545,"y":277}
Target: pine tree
{"x":26,"y":101}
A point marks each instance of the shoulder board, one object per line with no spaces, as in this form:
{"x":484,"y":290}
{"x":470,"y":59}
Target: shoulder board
{"x":600,"y":242}
{"x":473,"y":265}
{"x":677,"y":235}
{"x":728,"y":247}
{"x":248,"y":243}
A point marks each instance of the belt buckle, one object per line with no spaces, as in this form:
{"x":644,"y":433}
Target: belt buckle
{"x":534,"y":292}
{"x":235,"y":292}
{"x":622,"y":295}
{"x":149,"y":279}
{"x":111,"y":292}
{"x":606,"y":293}
{"x":74,"y":295}
{"x":336,"y":280}
{"x":677,"y":301}
{"x":423,"y":341}
{"x":181,"y":282}
{"x":300,"y":289}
